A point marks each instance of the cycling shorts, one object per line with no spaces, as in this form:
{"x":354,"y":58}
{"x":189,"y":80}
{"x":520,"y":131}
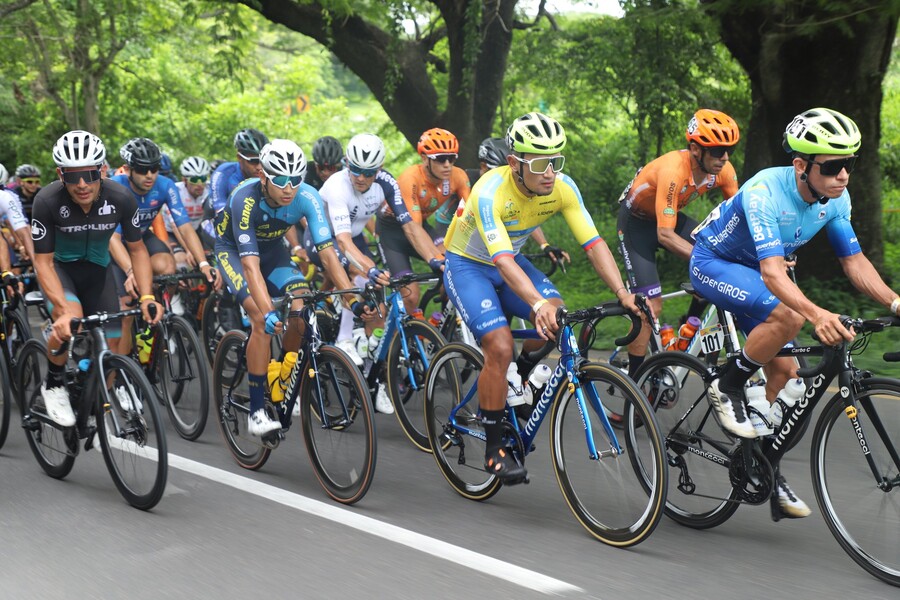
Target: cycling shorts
{"x":313,"y":253}
{"x":737,"y":288}
{"x":278,"y":270}
{"x":638,"y":243}
{"x":481,"y":296}
{"x":395,"y":249}
{"x":91,"y":286}
{"x":154,"y":246}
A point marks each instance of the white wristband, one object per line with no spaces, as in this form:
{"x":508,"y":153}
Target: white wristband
{"x":295,"y":248}
{"x":537,"y":305}
{"x":895,"y":305}
{"x":203,"y":263}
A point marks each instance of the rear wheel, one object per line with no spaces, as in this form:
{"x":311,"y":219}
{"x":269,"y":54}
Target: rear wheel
{"x":220,"y":315}
{"x":6,"y":399}
{"x":18,"y":331}
{"x":185,"y":380}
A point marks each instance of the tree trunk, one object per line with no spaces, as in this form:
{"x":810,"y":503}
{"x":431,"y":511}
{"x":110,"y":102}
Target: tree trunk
{"x":839,"y":65}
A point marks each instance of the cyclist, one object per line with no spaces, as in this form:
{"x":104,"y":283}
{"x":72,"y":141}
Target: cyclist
{"x":194,"y":192}
{"x":73,"y":221}
{"x":738,"y":262}
{"x":256,"y":264}
{"x":11,"y":213}
{"x":4,"y":176}
{"x":29,"y":179}
{"x":327,"y":154}
{"x":165,"y":166}
{"x":248,"y":143}
{"x":650,"y":215}
{"x":401,"y":224}
{"x":487,"y":278}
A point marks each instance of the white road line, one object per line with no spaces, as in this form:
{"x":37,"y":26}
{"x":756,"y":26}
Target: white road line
{"x":422,"y":543}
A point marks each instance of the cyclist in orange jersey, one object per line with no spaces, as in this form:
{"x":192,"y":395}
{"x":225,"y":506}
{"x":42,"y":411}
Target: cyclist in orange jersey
{"x":650,"y":217}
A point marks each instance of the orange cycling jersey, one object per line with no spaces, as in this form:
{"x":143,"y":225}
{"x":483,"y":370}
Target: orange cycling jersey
{"x":419,"y":197}
{"x":666,"y":185}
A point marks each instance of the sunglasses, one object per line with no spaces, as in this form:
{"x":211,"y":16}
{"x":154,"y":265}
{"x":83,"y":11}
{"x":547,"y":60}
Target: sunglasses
{"x":830,"y":168}
{"x":253,"y":160}
{"x":357,"y":171}
{"x":538,"y":166}
{"x":443,"y":158}
{"x":720,"y":151}
{"x":75,"y":177}
{"x":281,"y":181}
{"x":197,"y":179}
{"x":31,"y":180}
{"x":144,"y":170}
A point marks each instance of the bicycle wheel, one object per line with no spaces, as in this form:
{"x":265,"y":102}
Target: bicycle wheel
{"x":220,"y":315}
{"x":6,"y":396}
{"x":132,"y":434}
{"x":52,"y":447}
{"x":18,"y":331}
{"x":862,"y":510}
{"x":697,"y":450}
{"x":232,"y":396}
{"x":458,"y":446}
{"x":341,"y":446}
{"x":185,"y":381}
{"x":613,"y":501}
{"x":406,"y":376}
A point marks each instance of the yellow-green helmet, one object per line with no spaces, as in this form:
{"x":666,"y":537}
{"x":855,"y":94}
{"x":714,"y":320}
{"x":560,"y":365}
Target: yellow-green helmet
{"x":822,"y":131}
{"x":536,"y":133}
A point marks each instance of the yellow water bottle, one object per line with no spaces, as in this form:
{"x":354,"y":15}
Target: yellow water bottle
{"x":145,"y":345}
{"x":273,"y":375}
{"x":290,"y":359}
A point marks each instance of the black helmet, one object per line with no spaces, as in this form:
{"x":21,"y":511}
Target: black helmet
{"x":493,"y":152}
{"x":250,"y":141}
{"x":327,"y":151}
{"x":26,"y":171}
{"x":141,"y":152}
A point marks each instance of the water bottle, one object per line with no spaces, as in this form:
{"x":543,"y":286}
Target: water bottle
{"x":666,"y":335}
{"x":418,"y":314}
{"x":361,"y":341}
{"x":287,"y":365}
{"x":436,"y":319}
{"x":756,"y":399}
{"x":514,"y":393}
{"x":539,"y":377}
{"x":80,"y":377}
{"x":273,"y":373}
{"x":145,"y":345}
{"x":686,"y":332}
{"x":375,"y":341}
{"x":787,"y":398}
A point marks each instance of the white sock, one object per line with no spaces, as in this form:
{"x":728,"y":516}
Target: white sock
{"x":346,"y":330}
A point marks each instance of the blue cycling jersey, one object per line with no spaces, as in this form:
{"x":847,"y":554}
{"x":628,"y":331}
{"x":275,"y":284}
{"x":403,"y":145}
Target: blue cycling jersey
{"x":768,"y":217}
{"x":225,"y":178}
{"x":162,"y":193}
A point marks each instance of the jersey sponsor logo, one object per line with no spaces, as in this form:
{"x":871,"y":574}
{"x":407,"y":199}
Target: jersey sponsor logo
{"x":669,"y":211}
{"x":324,"y":231}
{"x":486,"y":304}
{"x":544,"y":213}
{"x":770,"y":244}
{"x":64,"y":212}
{"x":491,"y":237}
{"x":670,"y":194}
{"x":489,"y":323}
{"x":244,"y":238}
{"x":729,"y":228}
{"x":798,"y":233}
{"x":237,"y":280}
{"x":136,"y":218}
{"x":87,"y":227}
{"x":38,"y":231}
{"x":106,"y":209}
{"x":821,"y":215}
{"x":245,"y":213}
{"x":445,"y":188}
{"x":723,"y":287}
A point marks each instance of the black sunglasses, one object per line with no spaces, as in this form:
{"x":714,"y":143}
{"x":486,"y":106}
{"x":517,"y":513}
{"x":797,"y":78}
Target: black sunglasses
{"x":719,"y":151}
{"x":75,"y":177}
{"x":142,"y":170}
{"x":830,"y":168}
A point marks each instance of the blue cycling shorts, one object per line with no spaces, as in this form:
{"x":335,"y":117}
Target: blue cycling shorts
{"x":482,"y":297}
{"x":735,"y":287}
{"x":281,"y":274}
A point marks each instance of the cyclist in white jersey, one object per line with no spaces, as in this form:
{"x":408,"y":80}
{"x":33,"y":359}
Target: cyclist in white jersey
{"x":11,"y":212}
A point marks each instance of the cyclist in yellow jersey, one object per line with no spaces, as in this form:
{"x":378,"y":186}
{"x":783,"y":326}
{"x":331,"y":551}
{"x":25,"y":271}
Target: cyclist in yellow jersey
{"x":486,"y":277}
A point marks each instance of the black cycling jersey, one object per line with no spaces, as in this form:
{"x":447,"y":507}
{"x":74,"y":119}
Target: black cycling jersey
{"x":26,"y":203}
{"x":60,"y":226}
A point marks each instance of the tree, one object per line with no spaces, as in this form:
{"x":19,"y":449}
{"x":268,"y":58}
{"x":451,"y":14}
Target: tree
{"x":799,"y":55}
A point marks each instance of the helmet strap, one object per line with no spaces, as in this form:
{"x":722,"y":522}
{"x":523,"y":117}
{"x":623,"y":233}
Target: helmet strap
{"x":700,"y":160}
{"x":521,"y":175}
{"x":805,"y":177}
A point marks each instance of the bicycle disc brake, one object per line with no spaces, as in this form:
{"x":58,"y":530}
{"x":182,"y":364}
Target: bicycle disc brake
{"x":751,"y":473}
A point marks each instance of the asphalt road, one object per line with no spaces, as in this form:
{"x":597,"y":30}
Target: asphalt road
{"x":222,"y":532}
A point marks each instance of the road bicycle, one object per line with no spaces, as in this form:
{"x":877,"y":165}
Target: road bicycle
{"x":855,"y":457}
{"x":14,"y":332}
{"x":112,"y":398}
{"x":591,"y":460}
{"x":336,"y":411}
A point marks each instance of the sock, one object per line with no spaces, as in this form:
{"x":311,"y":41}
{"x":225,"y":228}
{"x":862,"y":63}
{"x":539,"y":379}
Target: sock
{"x":634,"y":363}
{"x":257,"y":385}
{"x":528,"y":360}
{"x":56,"y":375}
{"x":346,"y":330}
{"x":737,"y":372}
{"x":493,"y":430}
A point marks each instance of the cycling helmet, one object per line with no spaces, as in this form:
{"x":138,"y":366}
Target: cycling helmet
{"x":712,"y":128}
{"x":283,"y":157}
{"x":822,"y":131}
{"x":493,"y":152}
{"x":366,"y":151}
{"x":4,"y":175}
{"x":26,"y":171}
{"x":250,"y":141}
{"x":195,"y":166}
{"x":141,"y":152}
{"x":165,"y":164}
{"x":327,"y":151}
{"x":78,"y":149}
{"x":536,"y":133}
{"x":438,"y":141}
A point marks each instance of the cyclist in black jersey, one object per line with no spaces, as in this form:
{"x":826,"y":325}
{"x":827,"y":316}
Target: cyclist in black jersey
{"x":29,"y":179}
{"x":73,"y":221}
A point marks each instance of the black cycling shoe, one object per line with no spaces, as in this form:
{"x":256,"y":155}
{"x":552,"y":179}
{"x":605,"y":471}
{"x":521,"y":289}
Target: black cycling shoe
{"x":502,"y":464}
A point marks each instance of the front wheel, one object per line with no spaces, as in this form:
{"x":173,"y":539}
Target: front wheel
{"x":615,"y":502}
{"x":338,"y":425}
{"x":18,"y":331}
{"x":132,"y":435}
{"x":6,"y":399}
{"x":856,"y":475}
{"x":184,"y":379}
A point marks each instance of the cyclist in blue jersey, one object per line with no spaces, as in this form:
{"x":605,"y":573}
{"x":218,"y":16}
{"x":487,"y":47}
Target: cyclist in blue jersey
{"x":738,"y":262}
{"x":248,"y":143}
{"x":256,"y":264}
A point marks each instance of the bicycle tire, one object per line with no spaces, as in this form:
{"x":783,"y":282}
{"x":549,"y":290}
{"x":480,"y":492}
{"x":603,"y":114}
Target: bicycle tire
{"x":185,"y":380}
{"x":617,"y":504}
{"x":232,"y":402}
{"x":675,"y":384}
{"x":459,"y":455}
{"x":343,"y":457}
{"x":51,"y":446}
{"x":212,"y":324}
{"x":132,"y":436}
{"x":861,"y":516}
{"x":422,"y":340}
{"x":6,"y":400}
{"x":18,"y":331}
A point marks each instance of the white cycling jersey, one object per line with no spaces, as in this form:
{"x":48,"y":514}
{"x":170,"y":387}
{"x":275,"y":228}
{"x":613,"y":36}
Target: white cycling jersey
{"x":11,"y":210}
{"x":193,"y":206}
{"x":349,"y":210}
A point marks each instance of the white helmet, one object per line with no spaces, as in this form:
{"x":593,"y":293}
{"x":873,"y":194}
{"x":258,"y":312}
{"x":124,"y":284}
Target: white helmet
{"x":195,"y":166}
{"x":366,"y":151}
{"x":4,"y":175}
{"x":79,"y":149}
{"x":283,"y":157}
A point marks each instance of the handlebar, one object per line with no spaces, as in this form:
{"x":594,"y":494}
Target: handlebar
{"x":93,"y":322}
{"x":860,"y":326}
{"x":601,"y":311}
{"x":554,"y":264}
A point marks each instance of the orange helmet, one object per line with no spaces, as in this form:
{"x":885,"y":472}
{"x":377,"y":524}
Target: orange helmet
{"x":438,"y":141}
{"x":712,"y":128}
